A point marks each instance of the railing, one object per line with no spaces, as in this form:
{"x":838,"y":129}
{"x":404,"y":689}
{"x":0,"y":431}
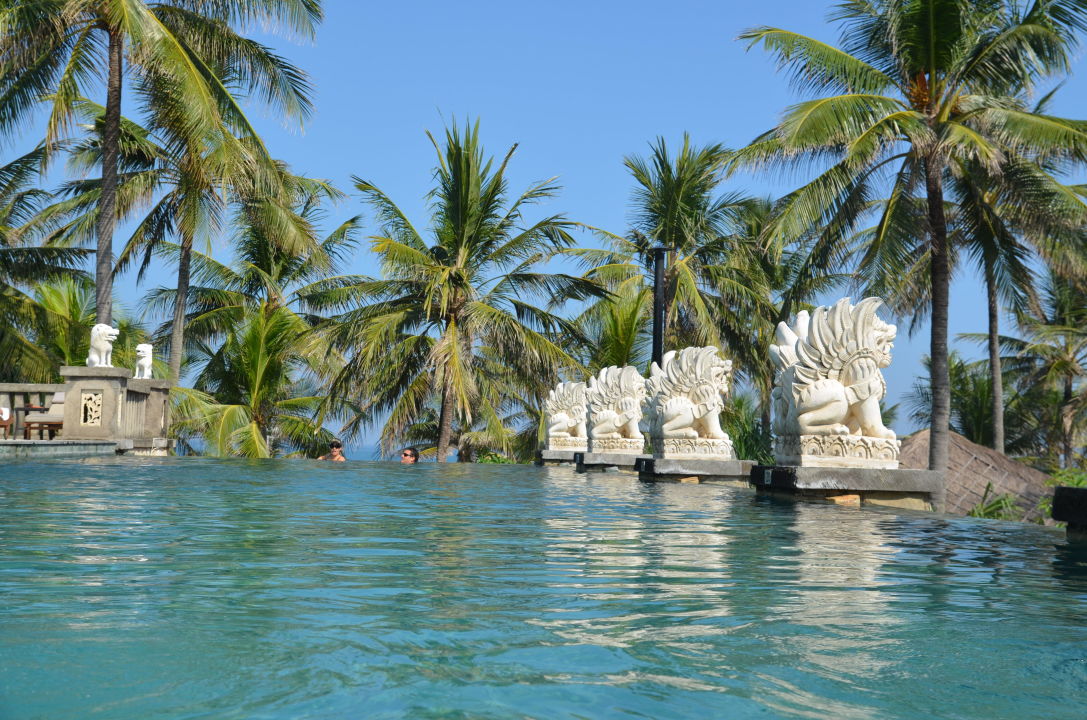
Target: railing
{"x":22,"y":395}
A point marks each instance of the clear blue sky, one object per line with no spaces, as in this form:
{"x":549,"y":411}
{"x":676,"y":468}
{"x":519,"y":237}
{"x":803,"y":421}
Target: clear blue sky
{"x":578,"y":85}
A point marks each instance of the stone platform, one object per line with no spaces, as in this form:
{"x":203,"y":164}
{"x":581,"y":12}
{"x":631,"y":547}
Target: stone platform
{"x":907,"y":489}
{"x":690,"y":470}
{"x":43,"y":449}
{"x":556,"y":457}
{"x":1070,"y":506}
{"x":606,"y":461}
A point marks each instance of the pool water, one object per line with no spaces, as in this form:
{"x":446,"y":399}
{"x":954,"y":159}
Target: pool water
{"x":197,"y":588}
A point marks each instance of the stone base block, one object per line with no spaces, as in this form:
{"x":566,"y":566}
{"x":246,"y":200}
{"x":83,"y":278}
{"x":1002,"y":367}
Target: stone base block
{"x":556,"y":457}
{"x":694,"y":470}
{"x":912,"y":489}
{"x":693,"y":448}
{"x":572,"y":444}
{"x":617,"y":445}
{"x":604,"y":461}
{"x":41,"y":449}
{"x":836,"y":451}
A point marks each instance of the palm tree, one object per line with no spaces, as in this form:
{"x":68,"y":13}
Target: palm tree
{"x":180,"y":55}
{"x":67,"y":312}
{"x":923,"y":85}
{"x":420,"y":333}
{"x":259,"y":391}
{"x":188,"y":191}
{"x":971,"y":406}
{"x":1052,"y":352}
{"x":676,"y":205}
{"x":23,"y":264}
{"x":263,"y":367}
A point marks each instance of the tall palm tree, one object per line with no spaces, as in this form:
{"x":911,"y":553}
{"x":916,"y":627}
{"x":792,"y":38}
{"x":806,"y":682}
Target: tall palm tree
{"x":22,"y":265}
{"x":185,"y":59}
{"x":1052,"y":351}
{"x":419,"y":333}
{"x":186,"y":191}
{"x":262,"y":367}
{"x":921,"y":86}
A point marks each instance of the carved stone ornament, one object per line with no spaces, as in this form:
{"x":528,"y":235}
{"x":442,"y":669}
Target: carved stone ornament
{"x":565,"y":408}
{"x":829,"y":385}
{"x":615,"y":399}
{"x":90,"y":408}
{"x":853,"y":451}
{"x":686,"y":395}
{"x":144,"y":357}
{"x":101,"y":352}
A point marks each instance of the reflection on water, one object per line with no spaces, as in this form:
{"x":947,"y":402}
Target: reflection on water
{"x":198,"y":588}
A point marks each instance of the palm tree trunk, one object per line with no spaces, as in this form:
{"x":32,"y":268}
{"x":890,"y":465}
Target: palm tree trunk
{"x":1066,"y":424}
{"x":445,"y":420}
{"x":996,"y":374}
{"x":177,"y":332}
{"x":107,"y":203}
{"x":940,"y":275}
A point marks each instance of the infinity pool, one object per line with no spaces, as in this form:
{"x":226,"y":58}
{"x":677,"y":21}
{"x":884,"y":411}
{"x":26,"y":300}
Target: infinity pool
{"x":191,"y":588}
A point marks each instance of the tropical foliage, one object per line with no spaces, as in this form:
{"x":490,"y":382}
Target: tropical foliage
{"x":921,"y":152}
{"x":462,"y":320}
{"x":918,"y":93}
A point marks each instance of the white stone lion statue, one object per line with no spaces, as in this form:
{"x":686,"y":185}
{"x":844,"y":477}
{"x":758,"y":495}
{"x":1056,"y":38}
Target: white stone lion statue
{"x":615,"y":398}
{"x":102,"y":339}
{"x":828,"y":371}
{"x":687,"y":393}
{"x":565,"y":407}
{"x":144,"y":357}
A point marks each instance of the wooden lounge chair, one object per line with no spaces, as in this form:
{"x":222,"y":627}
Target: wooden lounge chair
{"x":50,"y":420}
{"x":6,"y":423}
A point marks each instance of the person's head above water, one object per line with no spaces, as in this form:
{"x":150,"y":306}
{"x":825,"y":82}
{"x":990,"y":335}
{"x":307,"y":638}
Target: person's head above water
{"x":409,"y":455}
{"x":335,"y":452}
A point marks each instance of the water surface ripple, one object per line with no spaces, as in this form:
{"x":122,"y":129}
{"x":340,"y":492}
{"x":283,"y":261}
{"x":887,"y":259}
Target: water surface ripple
{"x":194,"y":588}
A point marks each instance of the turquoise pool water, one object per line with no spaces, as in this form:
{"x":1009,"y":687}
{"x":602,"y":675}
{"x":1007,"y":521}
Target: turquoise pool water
{"x":190,"y":588}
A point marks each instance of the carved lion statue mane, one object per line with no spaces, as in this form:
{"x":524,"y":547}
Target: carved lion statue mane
{"x":688,"y":393}
{"x":101,"y":350}
{"x":565,"y":407}
{"x":615,"y":400}
{"x":829,"y":380}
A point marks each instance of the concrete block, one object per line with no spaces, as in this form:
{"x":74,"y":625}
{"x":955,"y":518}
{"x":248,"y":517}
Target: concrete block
{"x":654,"y":468}
{"x":555,"y":457}
{"x":589,"y":461}
{"x":879,"y":485}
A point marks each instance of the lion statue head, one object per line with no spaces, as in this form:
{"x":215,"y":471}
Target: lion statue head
{"x":102,"y":333}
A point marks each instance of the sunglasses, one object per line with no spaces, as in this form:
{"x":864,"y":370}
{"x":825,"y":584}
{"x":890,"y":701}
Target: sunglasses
{"x":335,"y":446}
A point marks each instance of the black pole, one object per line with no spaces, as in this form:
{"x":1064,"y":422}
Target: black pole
{"x":658,"y":303}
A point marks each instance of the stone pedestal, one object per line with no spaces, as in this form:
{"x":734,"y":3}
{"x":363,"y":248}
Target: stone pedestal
{"x":629,"y":446}
{"x":836,"y":451}
{"x":105,"y":403}
{"x":94,"y":400}
{"x":693,"y":448}
{"x":568,"y":444}
{"x":557,"y":457}
{"x":906,"y":489}
{"x":695,"y":470}
{"x":606,"y":461}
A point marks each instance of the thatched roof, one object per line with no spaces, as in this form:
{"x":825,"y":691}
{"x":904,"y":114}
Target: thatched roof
{"x":970,"y":467}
